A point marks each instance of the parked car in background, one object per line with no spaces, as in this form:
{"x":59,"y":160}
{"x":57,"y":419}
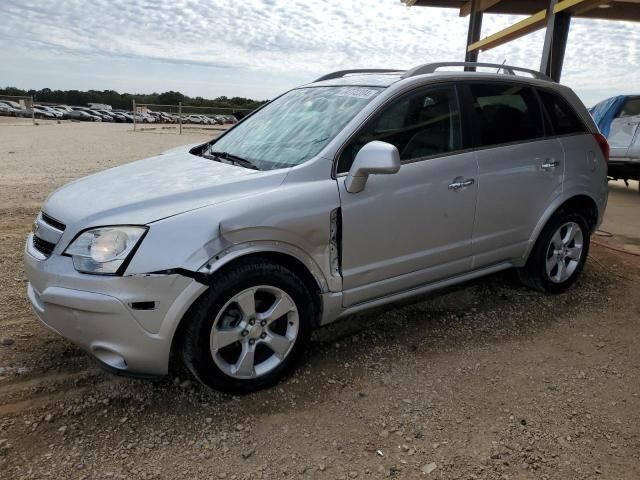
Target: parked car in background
{"x":357,"y":190}
{"x":174,"y":117}
{"x":36,"y":112}
{"x":156,"y":115}
{"x":128,"y":116}
{"x":82,"y":115}
{"x":144,"y":117}
{"x":106,"y":117}
{"x":11,"y":103}
{"x":7,"y":110}
{"x":197,"y":119}
{"x":162,"y":117}
{"x":57,"y":113}
{"x":94,"y":113}
{"x":114,"y":116}
{"x":63,"y":109}
{"x":619,"y":120}
{"x":41,"y":113}
{"x":15,"y":109}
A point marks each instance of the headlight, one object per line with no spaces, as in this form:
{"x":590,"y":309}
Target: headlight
{"x":104,"y":250}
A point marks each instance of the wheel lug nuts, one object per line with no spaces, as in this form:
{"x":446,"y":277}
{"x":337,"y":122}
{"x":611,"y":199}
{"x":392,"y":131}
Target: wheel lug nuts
{"x":263,"y":335}
{"x":245,"y":333}
{"x":251,"y":341}
{"x":263,"y":323}
{"x":252,"y":321}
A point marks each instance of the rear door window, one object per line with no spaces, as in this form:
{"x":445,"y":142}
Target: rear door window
{"x":506,"y":113}
{"x":563,"y":119}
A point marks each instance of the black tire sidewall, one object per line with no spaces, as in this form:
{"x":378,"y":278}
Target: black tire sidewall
{"x":196,"y":350}
{"x":539,"y":257}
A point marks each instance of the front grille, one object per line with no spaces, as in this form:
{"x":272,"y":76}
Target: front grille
{"x":43,"y":246}
{"x":53,"y":222}
{"x":47,"y":232}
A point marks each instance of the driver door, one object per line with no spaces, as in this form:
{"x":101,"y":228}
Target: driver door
{"x":413,"y":227}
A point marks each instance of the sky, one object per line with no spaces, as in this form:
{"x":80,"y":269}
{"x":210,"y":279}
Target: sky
{"x":260,"y":48}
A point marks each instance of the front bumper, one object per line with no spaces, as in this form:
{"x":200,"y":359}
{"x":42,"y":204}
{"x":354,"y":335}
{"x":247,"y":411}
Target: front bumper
{"x":101,"y":314}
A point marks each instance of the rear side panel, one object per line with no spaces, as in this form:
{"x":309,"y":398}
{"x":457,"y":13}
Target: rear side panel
{"x":585,"y":165}
{"x":585,"y":170}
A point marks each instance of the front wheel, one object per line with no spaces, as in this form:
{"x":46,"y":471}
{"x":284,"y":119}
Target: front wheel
{"x":559,"y":255}
{"x":249,"y":329}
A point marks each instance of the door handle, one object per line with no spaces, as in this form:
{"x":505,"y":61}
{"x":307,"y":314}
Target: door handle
{"x":549,"y":164}
{"x":460,"y":182}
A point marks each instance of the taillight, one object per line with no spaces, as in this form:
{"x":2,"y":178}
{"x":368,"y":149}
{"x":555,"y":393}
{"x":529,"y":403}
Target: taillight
{"x":603,"y":144}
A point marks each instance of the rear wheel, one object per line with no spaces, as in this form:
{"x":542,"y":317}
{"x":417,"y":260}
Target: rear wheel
{"x":249,"y":329}
{"x":559,"y":255}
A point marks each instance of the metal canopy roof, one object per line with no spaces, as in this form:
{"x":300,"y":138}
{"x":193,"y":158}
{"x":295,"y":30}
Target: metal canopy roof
{"x":554,"y":15}
{"x":628,"y":10}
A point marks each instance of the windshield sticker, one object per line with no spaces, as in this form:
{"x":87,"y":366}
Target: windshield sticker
{"x":357,"y":92}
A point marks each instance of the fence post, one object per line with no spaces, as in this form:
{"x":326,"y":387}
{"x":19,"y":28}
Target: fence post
{"x":180,"y":115}
{"x":134,"y":114}
{"x":33,"y":112}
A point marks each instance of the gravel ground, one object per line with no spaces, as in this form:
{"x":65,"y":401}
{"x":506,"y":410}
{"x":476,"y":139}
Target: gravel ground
{"x":488,"y":380}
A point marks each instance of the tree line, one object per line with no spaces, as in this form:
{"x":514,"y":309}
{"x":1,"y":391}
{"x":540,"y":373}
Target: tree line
{"x":125,"y":100}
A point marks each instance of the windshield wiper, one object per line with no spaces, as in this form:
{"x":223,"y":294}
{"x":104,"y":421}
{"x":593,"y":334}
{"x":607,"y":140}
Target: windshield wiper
{"x":243,"y":162}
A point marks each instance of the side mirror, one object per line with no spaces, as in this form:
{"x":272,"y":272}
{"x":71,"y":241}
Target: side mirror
{"x":374,"y":158}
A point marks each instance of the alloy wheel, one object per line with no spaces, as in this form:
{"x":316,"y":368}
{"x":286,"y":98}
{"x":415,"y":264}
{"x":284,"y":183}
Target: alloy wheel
{"x":254,"y":332}
{"x":564,"y":252}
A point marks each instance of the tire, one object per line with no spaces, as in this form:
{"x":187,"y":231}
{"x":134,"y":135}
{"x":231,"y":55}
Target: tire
{"x":559,"y":254}
{"x":220,"y":331}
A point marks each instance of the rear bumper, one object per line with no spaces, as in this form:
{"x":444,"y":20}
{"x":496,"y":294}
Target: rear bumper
{"x":97,"y":312}
{"x":624,"y":168}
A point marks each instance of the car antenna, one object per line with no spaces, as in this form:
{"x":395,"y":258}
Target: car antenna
{"x":500,"y":67}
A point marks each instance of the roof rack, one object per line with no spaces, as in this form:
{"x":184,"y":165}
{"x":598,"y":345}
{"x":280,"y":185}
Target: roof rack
{"x":508,"y":69}
{"x":342,"y":73}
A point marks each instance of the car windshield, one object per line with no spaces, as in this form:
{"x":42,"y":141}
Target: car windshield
{"x":294,"y":127}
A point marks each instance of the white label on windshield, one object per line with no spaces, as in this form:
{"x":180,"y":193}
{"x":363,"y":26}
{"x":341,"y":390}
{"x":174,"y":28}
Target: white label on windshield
{"x":357,"y":92}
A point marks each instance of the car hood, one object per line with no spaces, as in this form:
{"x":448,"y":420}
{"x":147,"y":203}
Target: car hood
{"x":158,"y":187}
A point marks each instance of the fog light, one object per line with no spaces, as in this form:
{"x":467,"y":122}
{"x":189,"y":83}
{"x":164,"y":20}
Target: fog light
{"x":110,"y":358}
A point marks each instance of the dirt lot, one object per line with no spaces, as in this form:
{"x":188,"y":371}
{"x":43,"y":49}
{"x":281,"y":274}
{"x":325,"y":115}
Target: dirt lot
{"x":488,"y":380}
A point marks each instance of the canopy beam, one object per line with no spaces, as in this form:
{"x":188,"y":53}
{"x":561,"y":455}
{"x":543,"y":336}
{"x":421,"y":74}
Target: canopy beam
{"x":535,"y":22}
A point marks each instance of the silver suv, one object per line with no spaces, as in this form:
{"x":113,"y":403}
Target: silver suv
{"x":356,"y":190}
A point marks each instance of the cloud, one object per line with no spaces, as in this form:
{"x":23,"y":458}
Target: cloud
{"x":259,"y":47}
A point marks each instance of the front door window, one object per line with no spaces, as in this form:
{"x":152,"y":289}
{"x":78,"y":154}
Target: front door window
{"x":420,"y":125}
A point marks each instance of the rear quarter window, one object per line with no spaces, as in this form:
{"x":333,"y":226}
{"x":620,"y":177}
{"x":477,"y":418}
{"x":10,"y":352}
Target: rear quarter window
{"x":562,"y":117}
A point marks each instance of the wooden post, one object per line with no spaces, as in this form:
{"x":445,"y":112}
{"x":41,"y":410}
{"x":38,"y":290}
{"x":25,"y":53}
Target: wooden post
{"x":473,"y":35}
